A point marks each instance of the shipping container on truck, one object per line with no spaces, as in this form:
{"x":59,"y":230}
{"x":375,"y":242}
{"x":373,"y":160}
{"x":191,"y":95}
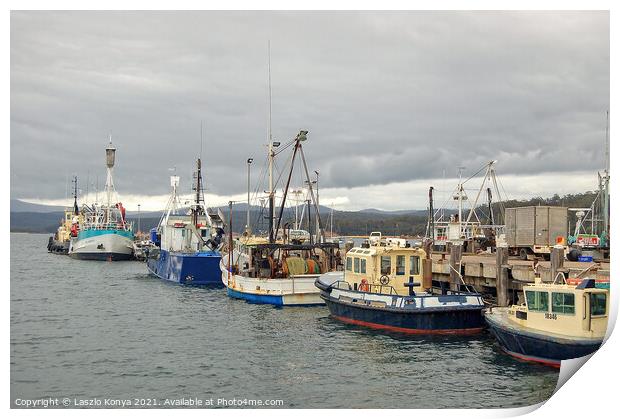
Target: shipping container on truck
{"x":535,"y":230}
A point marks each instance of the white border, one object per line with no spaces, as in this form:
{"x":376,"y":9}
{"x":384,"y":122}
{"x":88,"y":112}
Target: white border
{"x":590,"y":393}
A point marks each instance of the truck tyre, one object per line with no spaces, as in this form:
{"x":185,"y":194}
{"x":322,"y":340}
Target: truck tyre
{"x":523,"y":253}
{"x":573,"y":255}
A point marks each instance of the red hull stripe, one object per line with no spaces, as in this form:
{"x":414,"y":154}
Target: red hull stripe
{"x":549,"y":362}
{"x":411,"y":331}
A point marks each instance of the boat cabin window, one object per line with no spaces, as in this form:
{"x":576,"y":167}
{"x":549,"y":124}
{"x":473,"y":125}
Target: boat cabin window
{"x":562,"y":302}
{"x":400,"y":265}
{"x":414,"y":265}
{"x":356,"y":265}
{"x":349,"y":263}
{"x":386,"y":265}
{"x":598,"y":304}
{"x":537,"y":300}
{"x":363,"y":266}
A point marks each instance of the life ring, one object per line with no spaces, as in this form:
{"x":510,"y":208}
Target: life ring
{"x":363,"y":286}
{"x":384,"y":279}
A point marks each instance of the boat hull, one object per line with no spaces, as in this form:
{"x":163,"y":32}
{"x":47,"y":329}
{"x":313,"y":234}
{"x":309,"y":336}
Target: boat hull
{"x":296,"y":291}
{"x":107,"y":245}
{"x":462,"y":321}
{"x":538,"y":347}
{"x":58,"y":247}
{"x":198,"y":269}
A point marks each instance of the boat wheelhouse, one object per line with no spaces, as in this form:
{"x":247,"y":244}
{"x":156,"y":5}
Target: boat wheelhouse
{"x":556,"y":322}
{"x":387,"y":285}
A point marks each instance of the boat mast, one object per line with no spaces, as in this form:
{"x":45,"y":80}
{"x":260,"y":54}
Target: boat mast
{"x":247,"y":222}
{"x":606,"y":180}
{"x":76,"y":210}
{"x":110,"y":153}
{"x":271,"y":155}
{"x":460,"y":199}
{"x":197,"y":207}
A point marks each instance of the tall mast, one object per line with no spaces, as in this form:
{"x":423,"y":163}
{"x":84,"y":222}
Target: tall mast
{"x":76,"y":210}
{"x":270,"y":157}
{"x":110,"y":153}
{"x":606,"y":191}
{"x":460,"y":198}
{"x":197,"y":207}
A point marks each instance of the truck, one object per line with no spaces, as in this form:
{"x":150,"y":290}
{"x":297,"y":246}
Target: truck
{"x":536,"y":230}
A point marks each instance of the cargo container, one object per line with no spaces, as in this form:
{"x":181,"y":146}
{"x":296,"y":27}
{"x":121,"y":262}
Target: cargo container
{"x":535,"y":230}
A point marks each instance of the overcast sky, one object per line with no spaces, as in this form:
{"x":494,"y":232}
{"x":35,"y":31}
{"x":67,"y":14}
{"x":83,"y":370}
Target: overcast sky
{"x":393,"y":101}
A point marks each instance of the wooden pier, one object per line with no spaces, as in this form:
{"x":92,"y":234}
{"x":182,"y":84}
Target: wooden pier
{"x":504,"y":277}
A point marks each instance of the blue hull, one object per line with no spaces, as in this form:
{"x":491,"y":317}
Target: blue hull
{"x":540,"y":348}
{"x":201,"y":268}
{"x":435,"y":321}
{"x":256,"y":298}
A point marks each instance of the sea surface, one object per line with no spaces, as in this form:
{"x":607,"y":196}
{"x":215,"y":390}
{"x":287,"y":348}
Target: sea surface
{"x":85,"y":330}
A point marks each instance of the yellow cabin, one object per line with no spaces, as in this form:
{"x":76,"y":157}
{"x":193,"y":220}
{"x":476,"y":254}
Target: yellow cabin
{"x":377,"y":267}
{"x":563,"y":309}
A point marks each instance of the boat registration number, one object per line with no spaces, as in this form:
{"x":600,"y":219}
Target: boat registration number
{"x":551,"y":316}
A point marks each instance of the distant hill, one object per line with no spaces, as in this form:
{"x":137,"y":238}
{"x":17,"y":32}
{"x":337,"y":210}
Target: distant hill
{"x":410,"y":222}
{"x":22,"y":206}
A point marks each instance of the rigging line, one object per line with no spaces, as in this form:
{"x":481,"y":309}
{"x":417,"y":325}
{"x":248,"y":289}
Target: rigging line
{"x":284,"y":147}
{"x":476,"y":174}
{"x":445,"y":203}
{"x":261,"y":180}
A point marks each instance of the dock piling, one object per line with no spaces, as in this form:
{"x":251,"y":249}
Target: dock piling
{"x":456,"y":254}
{"x":557,"y":261}
{"x":502,"y":278}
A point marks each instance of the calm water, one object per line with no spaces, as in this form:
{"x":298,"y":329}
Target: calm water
{"x":82,"y":329}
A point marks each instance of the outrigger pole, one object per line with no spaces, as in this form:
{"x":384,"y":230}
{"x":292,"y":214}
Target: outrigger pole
{"x":302,"y":136}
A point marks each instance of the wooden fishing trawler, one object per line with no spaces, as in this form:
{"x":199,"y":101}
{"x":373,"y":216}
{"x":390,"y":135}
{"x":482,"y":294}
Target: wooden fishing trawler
{"x":558,"y":321}
{"x":387,"y":285}
{"x":279,"y":269}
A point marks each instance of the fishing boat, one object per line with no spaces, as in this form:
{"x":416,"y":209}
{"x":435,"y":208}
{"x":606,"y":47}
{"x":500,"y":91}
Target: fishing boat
{"x":105,"y":233}
{"x":557,"y":321}
{"x":387,"y":285}
{"x":279,"y":268}
{"x":187,"y":244}
{"x":59,"y":243}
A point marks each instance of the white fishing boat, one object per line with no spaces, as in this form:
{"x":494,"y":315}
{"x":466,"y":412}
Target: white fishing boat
{"x":105,"y":233}
{"x":279,"y":269}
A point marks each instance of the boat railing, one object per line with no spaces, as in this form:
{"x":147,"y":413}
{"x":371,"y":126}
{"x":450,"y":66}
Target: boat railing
{"x":379,"y":289}
{"x":337,"y":285}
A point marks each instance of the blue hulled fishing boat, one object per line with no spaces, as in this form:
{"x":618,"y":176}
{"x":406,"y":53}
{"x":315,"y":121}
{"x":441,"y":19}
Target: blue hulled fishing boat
{"x":188,"y":244}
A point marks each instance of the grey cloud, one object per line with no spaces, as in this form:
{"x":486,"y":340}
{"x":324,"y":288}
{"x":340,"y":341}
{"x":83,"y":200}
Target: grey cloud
{"x":386,"y":96}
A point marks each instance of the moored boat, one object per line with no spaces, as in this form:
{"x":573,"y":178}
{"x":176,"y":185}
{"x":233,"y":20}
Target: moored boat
{"x":105,"y":233}
{"x":387,"y":285}
{"x":59,"y":243}
{"x":276,"y":273}
{"x":556,"y":322}
{"x":187,"y":245}
{"x":279,"y":269}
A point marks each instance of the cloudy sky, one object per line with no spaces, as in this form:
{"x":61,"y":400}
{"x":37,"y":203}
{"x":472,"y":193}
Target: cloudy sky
{"x":394,"y":102}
